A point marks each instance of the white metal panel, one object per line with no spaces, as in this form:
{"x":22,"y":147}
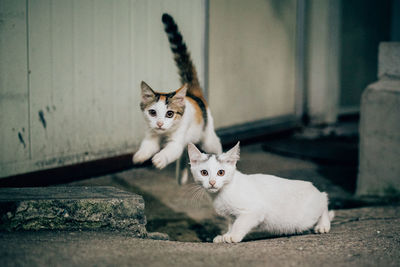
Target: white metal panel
{"x":14,"y":124}
{"x":323,"y":74}
{"x":252,"y":60}
{"x":87,"y":60}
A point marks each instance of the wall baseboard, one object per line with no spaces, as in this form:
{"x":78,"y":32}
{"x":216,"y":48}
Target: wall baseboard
{"x":247,"y":132}
{"x":253,"y":131}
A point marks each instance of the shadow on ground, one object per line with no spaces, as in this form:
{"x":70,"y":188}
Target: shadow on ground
{"x":333,"y":148}
{"x":161,"y":218}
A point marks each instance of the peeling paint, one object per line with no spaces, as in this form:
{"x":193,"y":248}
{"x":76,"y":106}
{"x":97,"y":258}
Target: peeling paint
{"x":42,"y":119}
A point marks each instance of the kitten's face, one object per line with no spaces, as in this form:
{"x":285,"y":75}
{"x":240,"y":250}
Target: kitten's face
{"x":213,"y":171}
{"x":162,"y":111}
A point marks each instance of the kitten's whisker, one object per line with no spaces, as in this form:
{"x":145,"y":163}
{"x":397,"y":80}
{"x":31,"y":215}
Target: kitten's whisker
{"x":196,"y":196}
{"x":192,"y":193}
{"x":192,"y":189}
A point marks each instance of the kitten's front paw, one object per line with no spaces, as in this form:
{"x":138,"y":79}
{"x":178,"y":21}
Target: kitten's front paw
{"x":160,"y":160}
{"x":140,"y":157}
{"x":227,"y":238}
{"x":218,"y":239}
{"x":232,"y":238}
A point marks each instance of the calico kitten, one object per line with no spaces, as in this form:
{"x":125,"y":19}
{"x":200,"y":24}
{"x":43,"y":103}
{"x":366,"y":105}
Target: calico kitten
{"x":177,"y":118}
{"x":276,"y":205}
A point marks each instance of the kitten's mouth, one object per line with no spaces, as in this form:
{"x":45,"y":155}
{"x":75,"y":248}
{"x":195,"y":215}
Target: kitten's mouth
{"x":212,"y":189}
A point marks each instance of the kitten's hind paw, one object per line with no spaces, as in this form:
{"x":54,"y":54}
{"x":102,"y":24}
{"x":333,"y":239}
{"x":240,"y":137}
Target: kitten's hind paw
{"x":322,"y":229}
{"x":324,"y":223}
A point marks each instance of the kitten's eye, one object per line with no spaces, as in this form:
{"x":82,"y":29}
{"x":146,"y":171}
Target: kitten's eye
{"x":152,"y":112}
{"x":204,"y":172}
{"x":169,"y":114}
{"x":221,"y":173}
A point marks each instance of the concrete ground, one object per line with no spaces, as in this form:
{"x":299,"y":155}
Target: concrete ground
{"x":360,"y":236}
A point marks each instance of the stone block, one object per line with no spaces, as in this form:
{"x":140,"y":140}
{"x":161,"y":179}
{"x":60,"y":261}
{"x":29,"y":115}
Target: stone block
{"x":389,"y":60}
{"x":72,"y":208}
{"x":379,"y":167}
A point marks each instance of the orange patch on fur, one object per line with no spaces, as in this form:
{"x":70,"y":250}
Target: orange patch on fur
{"x":196,"y":91}
{"x":162,"y":98}
{"x":198,"y":113}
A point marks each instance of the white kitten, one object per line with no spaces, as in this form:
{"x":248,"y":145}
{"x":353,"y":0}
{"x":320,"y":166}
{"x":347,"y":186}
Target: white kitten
{"x":276,"y":205}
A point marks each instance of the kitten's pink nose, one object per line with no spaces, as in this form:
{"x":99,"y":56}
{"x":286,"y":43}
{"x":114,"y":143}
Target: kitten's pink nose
{"x":160,"y":124}
{"x":212,"y":182}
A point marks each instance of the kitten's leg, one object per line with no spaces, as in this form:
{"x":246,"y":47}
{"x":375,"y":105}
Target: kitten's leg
{"x":182,"y":170}
{"x":149,"y":146}
{"x":242,"y":225}
{"x":220,"y":238}
{"x":171,"y":152}
{"x":211,"y":142}
{"x":230,"y":223}
{"x":323,"y":224}
{"x":184,"y":178}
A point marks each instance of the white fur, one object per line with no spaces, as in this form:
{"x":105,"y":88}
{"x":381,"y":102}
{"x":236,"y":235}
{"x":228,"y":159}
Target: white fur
{"x":273,"y":204}
{"x":175,"y":135}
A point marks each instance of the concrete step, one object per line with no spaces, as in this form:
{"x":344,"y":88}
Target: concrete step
{"x":72,"y":208}
{"x":389,"y":60}
{"x":379,"y":168}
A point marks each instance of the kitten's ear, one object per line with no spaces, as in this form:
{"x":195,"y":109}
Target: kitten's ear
{"x":147,"y":92}
{"x":231,"y":156}
{"x":180,"y":94}
{"x":194,"y":154}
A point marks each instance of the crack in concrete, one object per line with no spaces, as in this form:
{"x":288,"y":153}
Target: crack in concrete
{"x":363,"y":219}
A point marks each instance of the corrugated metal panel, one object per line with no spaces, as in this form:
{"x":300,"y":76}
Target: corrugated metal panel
{"x":87,"y":59}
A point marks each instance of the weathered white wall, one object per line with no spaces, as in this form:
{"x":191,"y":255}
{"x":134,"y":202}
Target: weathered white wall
{"x":251,"y":60}
{"x":14,"y":105}
{"x":323,"y":59}
{"x":86,"y":60}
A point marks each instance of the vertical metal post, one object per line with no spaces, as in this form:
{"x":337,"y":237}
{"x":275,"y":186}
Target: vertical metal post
{"x":301,"y":109}
{"x":206,"y":47}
